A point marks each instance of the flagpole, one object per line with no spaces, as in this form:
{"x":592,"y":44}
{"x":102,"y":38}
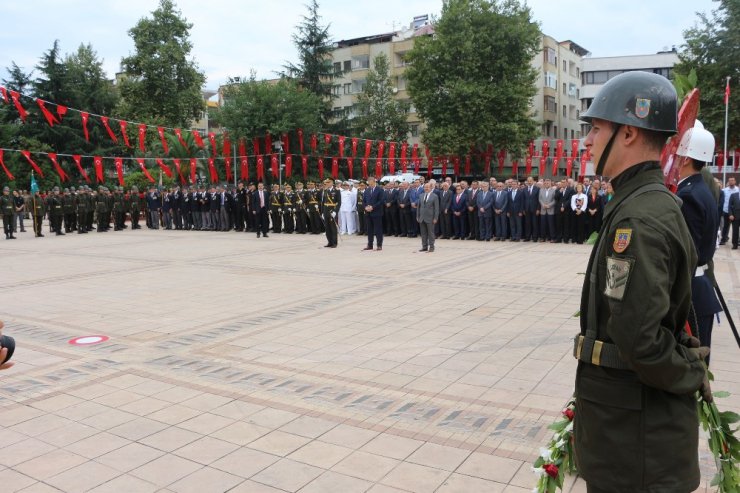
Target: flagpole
{"x":724,"y":155}
{"x":33,"y":200}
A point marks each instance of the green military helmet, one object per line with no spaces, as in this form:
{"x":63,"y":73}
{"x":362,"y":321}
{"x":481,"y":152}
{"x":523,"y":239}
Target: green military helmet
{"x":56,"y":189}
{"x":134,"y":189}
{"x":639,"y":99}
{"x":6,"y":189}
{"x":66,"y":190}
{"x":72,"y":189}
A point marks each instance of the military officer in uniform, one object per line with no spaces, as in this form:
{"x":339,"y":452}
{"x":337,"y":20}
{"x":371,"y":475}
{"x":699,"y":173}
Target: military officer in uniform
{"x":7,"y":207}
{"x":314,"y":215}
{"x":68,"y":206}
{"x":80,"y":206}
{"x":39,"y":209}
{"x":301,"y":219}
{"x":331,"y":201}
{"x":361,"y":209}
{"x":56,"y":211}
{"x":117,"y":209}
{"x":89,"y":195}
{"x":636,"y":425}
{"x":289,"y":198}
{"x":702,"y":217}
{"x":100,"y":207}
{"x":276,"y":209}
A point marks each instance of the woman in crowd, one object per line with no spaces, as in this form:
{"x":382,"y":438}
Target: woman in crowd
{"x":579,"y":204}
{"x":594,"y":211}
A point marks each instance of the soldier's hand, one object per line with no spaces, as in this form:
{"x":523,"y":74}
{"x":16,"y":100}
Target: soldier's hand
{"x":706,"y":390}
{"x":688,"y":341}
{"x":701,"y":352}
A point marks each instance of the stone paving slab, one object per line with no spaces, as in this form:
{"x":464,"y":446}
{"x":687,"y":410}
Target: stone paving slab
{"x":274,"y":365}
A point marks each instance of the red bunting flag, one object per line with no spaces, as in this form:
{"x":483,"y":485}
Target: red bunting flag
{"x":341,"y":146}
{"x":335,"y":167}
{"x":488,"y":156}
{"x":164,"y":167}
{"x":368,"y":148}
{"x":59,"y":170}
{"x":392,"y":158}
{"x":543,"y":165}
{"x":545,"y":148}
{"x":443,"y":161}
{"x":227,"y":158}
{"x":98,"y":163}
{"x":260,"y":168}
{"x":467,"y":165}
{"x":304,"y":166}
{"x":530,"y":148}
{"x":568,"y":166}
{"x":288,"y":166}
{"x":229,"y":172}
{"x":350,"y":165}
{"x":286,"y":144}
{"x":50,"y":119}
{"x":355,"y":140}
{"x":256,"y":146}
{"x":268,"y":143}
{"x":378,"y":168}
{"x":165,"y":147}
{"x":501,"y":160}
{"x":321,"y":169}
{"x":314,"y":143}
{"x":381,"y":149}
{"x":327,"y":142}
{"x":85,"y":117}
{"x":142,"y":137}
{"x":455,"y":165}
{"x":78,"y":161}
{"x":558,"y":157}
{"x":528,"y":166}
{"x":112,"y":136}
{"x":404,"y":161}
{"x":144,"y":170}
{"x":178,"y":168}
{"x":212,"y":140}
{"x":123,"y":124}
{"x":61,"y":111}
{"x":514,"y":167}
{"x":727,"y":92}
{"x":27,"y":155}
{"x":584,"y":158}
{"x":4,"y":93}
{"x":364,"y":169}
{"x":198,"y":139}
{"x":212,"y":169}
{"x":2,"y":163}
{"x":274,"y":165}
{"x":193,"y":170}
{"x":18,"y":106}
{"x":119,"y":170}
{"x":574,"y":148}
{"x":178,"y":134}
{"x":243,"y":160}
{"x":300,"y":139}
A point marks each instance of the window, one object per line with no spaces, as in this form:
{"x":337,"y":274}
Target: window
{"x":565,"y":133}
{"x":578,"y":72}
{"x":555,"y":131}
{"x":551,"y":80}
{"x":565,"y":110}
{"x":348,"y":65}
{"x":414,"y":130}
{"x":578,"y":93}
{"x":572,"y":90}
{"x":360,"y":62}
{"x":565,"y":66}
{"x":337,"y":67}
{"x":358,"y":86}
{"x":550,"y":104}
{"x":600,"y":77}
{"x":550,"y":56}
{"x":335,"y":89}
{"x":572,"y":134}
{"x":401,"y":83}
{"x":347,"y":88}
{"x":564,"y":88}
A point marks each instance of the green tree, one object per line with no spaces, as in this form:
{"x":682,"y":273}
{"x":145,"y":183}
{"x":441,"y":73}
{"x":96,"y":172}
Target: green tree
{"x":472,"y":82}
{"x":254,"y":108}
{"x":712,"y":49}
{"x":161,"y":83}
{"x":314,"y":70}
{"x":379,"y":114}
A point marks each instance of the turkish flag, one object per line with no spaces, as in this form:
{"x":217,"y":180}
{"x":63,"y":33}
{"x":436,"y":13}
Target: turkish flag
{"x":2,"y":163}
{"x":260,"y":168}
{"x":378,"y":168}
{"x":212,"y":140}
{"x":119,"y":170}
{"x":179,"y":170}
{"x":501,"y":160}
{"x":160,"y":131}
{"x":268,"y":143}
{"x":198,"y":139}
{"x":335,"y":167}
{"x":286,"y":144}
{"x":256,"y":146}
{"x":178,"y":134}
{"x":404,"y":161}
{"x":50,"y":119}
{"x":59,"y":170}
{"x":61,"y":111}
{"x":514,"y":167}
{"x":85,"y":117}
{"x":165,"y":168}
{"x":354,"y":146}
{"x":112,"y":135}
{"x":574,"y":148}
{"x":528,"y":166}
{"x":568,"y":166}
{"x":368,"y":148}
{"x":18,"y":106}
{"x":341,"y":146}
{"x":558,"y":156}
{"x":530,"y":149}
{"x":364,"y":169}
{"x":212,"y":169}
{"x":392,"y":158}
{"x":78,"y":161}
{"x":27,"y":155}
{"x":288,"y":166}
{"x":300,"y":139}
{"x":314,"y":143}
{"x":274,"y":165}
{"x":304,"y":166}
{"x":350,"y":165}
{"x":124,"y":124}
{"x":229,"y":173}
{"x":468,"y":165}
{"x":321,"y":169}
{"x":545,"y":148}
{"x":99,"y":174}
{"x":243,"y":161}
{"x":488,"y":157}
{"x":142,"y":137}
{"x":193,"y":169}
{"x":4,"y":93}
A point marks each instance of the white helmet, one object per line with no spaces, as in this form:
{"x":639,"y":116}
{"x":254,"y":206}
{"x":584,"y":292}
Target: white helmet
{"x":697,"y":143}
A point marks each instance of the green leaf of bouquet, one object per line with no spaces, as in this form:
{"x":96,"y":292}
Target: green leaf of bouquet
{"x":721,"y":394}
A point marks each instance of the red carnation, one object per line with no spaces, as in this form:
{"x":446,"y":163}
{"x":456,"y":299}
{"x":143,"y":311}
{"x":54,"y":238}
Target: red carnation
{"x":551,"y":470}
{"x":568,"y":413}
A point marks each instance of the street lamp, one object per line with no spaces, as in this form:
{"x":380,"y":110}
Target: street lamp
{"x":278,"y":145}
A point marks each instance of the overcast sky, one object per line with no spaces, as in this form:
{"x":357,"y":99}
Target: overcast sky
{"x":232,"y":37}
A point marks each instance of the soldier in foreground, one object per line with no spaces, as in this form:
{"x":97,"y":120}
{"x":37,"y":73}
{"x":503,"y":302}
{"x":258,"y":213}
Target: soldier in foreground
{"x":636,"y":426}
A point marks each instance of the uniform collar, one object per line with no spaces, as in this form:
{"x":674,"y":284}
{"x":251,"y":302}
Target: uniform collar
{"x":632,"y":179}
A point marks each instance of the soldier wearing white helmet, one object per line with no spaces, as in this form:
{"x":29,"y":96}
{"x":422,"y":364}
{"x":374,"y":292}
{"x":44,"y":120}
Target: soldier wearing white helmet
{"x":700,"y":211}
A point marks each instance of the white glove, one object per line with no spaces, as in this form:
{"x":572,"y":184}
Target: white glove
{"x":333,"y":214}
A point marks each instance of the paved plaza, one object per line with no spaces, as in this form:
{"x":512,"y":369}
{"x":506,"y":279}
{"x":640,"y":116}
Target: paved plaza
{"x":276,"y":365}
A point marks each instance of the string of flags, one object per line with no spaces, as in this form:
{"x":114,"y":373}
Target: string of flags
{"x":263,"y":152}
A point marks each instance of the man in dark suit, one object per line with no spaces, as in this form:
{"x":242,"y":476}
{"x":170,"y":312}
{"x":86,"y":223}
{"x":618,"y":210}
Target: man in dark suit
{"x":331,"y":201}
{"x":531,"y":210}
{"x":459,"y":209}
{"x":240,"y":207}
{"x":391,"y":210}
{"x":373,"y":199}
{"x":500,"y":208}
{"x":427,"y":215}
{"x":473,"y":224}
{"x":516,"y":212}
{"x":445,"y":211}
{"x":565,"y":212}
{"x":260,"y":206}
{"x":403,"y":201}
{"x":702,"y":217}
{"x":484,"y":204}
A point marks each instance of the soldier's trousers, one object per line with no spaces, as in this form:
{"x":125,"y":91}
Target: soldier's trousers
{"x":361,"y":221}
{"x":240,"y":213}
{"x":289,"y":223}
{"x":300,"y":221}
{"x":177,"y":215}
{"x":315,"y":222}
{"x":56,"y":223}
{"x":90,"y":219}
{"x":37,"y":222}
{"x":331,"y":229}
{"x":68,"y":222}
{"x":135,"y":219}
{"x":8,"y":224}
{"x":277,"y":225}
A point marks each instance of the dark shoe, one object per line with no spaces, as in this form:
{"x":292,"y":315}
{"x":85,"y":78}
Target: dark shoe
{"x":734,"y":247}
{"x":431,"y":249}
{"x":39,"y":235}
{"x":266,"y":235}
{"x":723,"y":242}
{"x":367,"y":248}
{"x":328,"y":245}
{"x":379,"y":249}
{"x":488,"y":239}
{"x":424,"y":250}
{"x":58,"y":234}
{"x":456,"y":238}
{"x":258,"y":235}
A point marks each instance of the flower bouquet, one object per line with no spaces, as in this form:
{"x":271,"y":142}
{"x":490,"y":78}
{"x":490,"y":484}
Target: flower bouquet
{"x":556,"y":459}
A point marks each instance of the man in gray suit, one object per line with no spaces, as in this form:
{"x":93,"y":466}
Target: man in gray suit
{"x":500,"y":208}
{"x":547,"y":212}
{"x":484,"y":203}
{"x":445,"y":210}
{"x":427,"y":214}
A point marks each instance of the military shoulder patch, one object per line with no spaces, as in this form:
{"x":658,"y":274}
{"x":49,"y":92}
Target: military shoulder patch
{"x":617,"y":275}
{"x":622,"y":240}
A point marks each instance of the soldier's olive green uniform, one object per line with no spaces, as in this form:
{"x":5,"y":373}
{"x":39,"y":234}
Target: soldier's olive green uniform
{"x":132,"y":205}
{"x":38,"y":209}
{"x":68,"y":207}
{"x":118,"y":211}
{"x":635,"y":384}
{"x":81,"y":205}
{"x":100,"y":211}
{"x":56,"y":213}
{"x":7,"y":209}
